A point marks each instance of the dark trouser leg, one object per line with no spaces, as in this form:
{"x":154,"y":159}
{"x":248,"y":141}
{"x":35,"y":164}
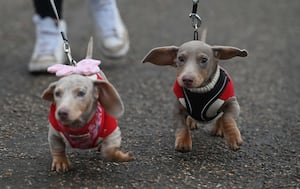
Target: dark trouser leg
{"x":44,"y":9}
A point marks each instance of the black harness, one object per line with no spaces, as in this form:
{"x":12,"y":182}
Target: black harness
{"x":197,"y":103}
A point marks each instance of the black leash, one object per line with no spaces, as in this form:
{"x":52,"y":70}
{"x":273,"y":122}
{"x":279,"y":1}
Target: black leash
{"x":196,"y":20}
{"x":67,"y":47}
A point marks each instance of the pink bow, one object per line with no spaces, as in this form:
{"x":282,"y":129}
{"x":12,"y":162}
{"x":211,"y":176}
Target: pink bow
{"x":84,"y":67}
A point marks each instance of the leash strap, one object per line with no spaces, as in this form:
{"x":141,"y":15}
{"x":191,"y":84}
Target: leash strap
{"x":67,"y":47}
{"x":196,"y":20}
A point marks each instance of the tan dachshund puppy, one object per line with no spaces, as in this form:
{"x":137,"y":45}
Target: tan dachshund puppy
{"x":204,"y":90}
{"x":82,"y":114}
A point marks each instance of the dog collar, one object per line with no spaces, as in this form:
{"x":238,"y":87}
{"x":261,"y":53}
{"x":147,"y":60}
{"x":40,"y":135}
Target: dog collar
{"x":209,"y":86}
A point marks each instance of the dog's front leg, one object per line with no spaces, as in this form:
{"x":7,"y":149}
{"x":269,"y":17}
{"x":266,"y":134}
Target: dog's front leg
{"x":191,"y":122}
{"x":226,"y":125}
{"x":117,"y":155}
{"x":110,"y":148}
{"x":60,"y":162}
{"x":183,"y":141}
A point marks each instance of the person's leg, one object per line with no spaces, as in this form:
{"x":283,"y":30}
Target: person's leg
{"x":48,"y":49}
{"x":44,"y":9}
{"x":110,"y":28}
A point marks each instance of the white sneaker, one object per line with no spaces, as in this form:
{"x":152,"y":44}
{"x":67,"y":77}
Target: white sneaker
{"x":110,"y":28}
{"x":48,"y":49}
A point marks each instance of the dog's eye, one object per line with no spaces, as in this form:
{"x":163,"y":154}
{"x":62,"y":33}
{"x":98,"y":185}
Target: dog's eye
{"x":203,"y":60}
{"x":57,"y":94}
{"x":181,"y":59}
{"x":80,"y":93}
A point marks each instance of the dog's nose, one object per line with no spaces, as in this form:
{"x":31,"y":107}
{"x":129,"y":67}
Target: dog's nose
{"x":63,"y":114}
{"x":187,"y":80}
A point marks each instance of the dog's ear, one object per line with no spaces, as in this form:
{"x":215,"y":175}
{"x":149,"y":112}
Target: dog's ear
{"x":227,"y":52}
{"x":162,"y":56}
{"x":109,"y":98}
{"x":48,"y":93}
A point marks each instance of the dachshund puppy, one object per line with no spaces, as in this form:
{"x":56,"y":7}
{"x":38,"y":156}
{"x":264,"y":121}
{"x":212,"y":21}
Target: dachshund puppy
{"x":204,"y":90}
{"x":83,"y":115}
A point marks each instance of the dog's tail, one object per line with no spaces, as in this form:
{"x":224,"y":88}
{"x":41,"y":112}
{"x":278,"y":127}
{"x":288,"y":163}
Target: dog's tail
{"x":203,"y":35}
{"x":89,"y":52}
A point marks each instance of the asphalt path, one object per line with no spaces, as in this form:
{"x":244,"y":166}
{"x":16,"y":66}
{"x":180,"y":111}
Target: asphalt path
{"x":267,"y":86}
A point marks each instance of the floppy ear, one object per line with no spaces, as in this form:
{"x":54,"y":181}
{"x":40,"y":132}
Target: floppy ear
{"x":162,"y":56}
{"x":227,"y":52}
{"x":48,"y":93}
{"x":109,"y":98}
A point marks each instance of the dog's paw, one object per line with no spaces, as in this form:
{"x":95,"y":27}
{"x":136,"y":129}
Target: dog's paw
{"x":60,"y":164}
{"x":191,"y":123}
{"x":234,"y":140}
{"x":117,"y":155}
{"x":183,"y":141}
{"x":228,"y":129}
{"x":129,"y":156}
{"x":183,"y":147}
{"x":123,"y":157}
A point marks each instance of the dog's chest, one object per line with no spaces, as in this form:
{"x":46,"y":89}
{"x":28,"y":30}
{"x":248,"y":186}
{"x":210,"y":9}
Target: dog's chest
{"x":86,"y":140}
{"x":206,"y":106}
{"x":89,"y":136}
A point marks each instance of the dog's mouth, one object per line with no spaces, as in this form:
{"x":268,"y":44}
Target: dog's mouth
{"x":189,"y":82}
{"x":76,"y":124}
{"x":191,"y":86}
{"x":70,"y":121}
{"x":72,"y":124}
{"x":205,"y":86}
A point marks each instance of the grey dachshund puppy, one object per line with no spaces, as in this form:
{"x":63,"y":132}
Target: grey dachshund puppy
{"x":204,"y":90}
{"x":83,"y":115}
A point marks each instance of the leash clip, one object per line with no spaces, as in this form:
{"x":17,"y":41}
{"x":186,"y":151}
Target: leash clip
{"x":67,"y":47}
{"x":67,"y":50}
{"x":196,"y":20}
